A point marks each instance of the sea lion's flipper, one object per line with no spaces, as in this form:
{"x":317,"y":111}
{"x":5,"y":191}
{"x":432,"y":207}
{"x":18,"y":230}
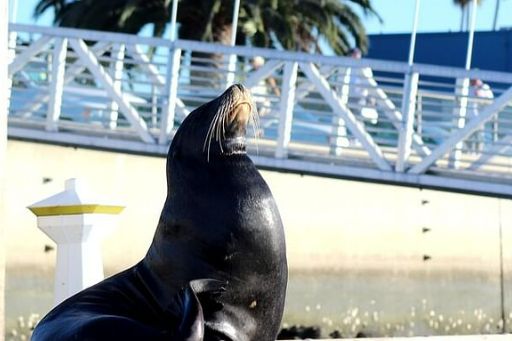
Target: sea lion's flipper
{"x":191,"y":326}
{"x":208,"y":292}
{"x":210,"y":286}
{"x":191,"y":300}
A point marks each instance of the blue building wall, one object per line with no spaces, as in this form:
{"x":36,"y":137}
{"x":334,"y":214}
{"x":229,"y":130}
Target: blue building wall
{"x":491,"y":51}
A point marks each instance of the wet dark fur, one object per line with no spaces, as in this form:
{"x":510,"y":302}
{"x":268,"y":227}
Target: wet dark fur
{"x":216,"y":269}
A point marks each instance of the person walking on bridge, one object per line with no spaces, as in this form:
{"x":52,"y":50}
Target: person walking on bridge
{"x":479,"y":95}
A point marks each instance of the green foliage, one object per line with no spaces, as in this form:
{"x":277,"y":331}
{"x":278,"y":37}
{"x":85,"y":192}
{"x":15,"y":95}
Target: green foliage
{"x":291,"y":24}
{"x":464,"y":3}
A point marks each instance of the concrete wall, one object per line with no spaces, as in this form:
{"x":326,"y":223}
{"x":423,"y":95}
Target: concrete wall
{"x":381,"y":259}
{"x":330,"y":223}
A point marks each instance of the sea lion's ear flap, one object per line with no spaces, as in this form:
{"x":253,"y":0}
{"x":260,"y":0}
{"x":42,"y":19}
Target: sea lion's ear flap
{"x":191,"y":327}
{"x":208,"y":291}
{"x":208,"y":285}
{"x":190,"y":301}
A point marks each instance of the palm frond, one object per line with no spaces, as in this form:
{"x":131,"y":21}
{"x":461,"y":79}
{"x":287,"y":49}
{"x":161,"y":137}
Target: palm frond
{"x":44,"y":5}
{"x":350,"y":21}
{"x":288,"y":24}
{"x":367,"y":8}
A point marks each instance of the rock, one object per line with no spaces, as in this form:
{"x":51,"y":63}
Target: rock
{"x":299,"y":333}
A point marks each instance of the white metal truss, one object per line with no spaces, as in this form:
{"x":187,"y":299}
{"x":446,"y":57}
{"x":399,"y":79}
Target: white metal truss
{"x":118,"y":52}
{"x":157,"y":78}
{"x":353,"y":125}
{"x":74,"y":69}
{"x":464,"y":132}
{"x":171,"y":93}
{"x":56,"y":86}
{"x":23,"y":58}
{"x":105,"y":89}
{"x":286,"y":109}
{"x":88,"y":58}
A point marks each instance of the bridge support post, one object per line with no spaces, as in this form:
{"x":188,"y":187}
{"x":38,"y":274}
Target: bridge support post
{"x":407,"y":126}
{"x":11,"y":54}
{"x":5,"y":82}
{"x":57,"y":83}
{"x":286,"y":109}
{"x":460,"y":112}
{"x":338,"y":139}
{"x":117,"y":74}
{"x":171,"y":93}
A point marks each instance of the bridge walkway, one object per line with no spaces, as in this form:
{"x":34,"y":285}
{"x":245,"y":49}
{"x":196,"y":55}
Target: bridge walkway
{"x":365,"y":119}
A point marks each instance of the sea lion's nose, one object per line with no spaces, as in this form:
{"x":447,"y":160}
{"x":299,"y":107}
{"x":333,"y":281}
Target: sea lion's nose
{"x":239,"y":87}
{"x":237,"y":90}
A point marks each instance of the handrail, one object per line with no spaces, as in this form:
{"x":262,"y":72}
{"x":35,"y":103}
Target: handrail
{"x":390,"y":66}
{"x":320,"y":109}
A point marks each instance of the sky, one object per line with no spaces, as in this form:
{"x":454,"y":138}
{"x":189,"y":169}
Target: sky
{"x":397,"y":15}
{"x":435,"y":16}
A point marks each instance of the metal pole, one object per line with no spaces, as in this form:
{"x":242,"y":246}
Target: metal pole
{"x":230,"y":78}
{"x":462,"y":89}
{"x":286,"y":109}
{"x":462,"y":17}
{"x":234,"y":23}
{"x":414,"y":31}
{"x":472,"y":22}
{"x":174,"y":13}
{"x":4,"y":24}
{"x":408,"y":100}
{"x":496,"y":11}
{"x":12,"y":35}
{"x":14,"y":11}
{"x":502,"y":273}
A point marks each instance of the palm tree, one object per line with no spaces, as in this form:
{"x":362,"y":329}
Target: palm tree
{"x":290,"y":24}
{"x":128,"y":16}
{"x":298,"y":25}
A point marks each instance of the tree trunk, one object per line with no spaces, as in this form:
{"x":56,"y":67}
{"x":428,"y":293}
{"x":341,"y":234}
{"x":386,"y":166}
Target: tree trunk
{"x":206,"y":66}
{"x":211,"y":22}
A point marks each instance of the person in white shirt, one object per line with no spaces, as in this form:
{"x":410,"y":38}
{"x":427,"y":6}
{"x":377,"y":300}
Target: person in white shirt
{"x":479,"y":94}
{"x":261,"y":91}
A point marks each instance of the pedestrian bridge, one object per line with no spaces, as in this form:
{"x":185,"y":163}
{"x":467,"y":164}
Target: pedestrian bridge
{"x":371,"y":120}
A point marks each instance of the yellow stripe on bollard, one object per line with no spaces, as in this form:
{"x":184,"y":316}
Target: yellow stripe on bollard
{"x":75,"y":209}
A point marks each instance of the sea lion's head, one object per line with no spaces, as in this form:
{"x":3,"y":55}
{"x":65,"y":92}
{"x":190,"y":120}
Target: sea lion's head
{"x":219,"y":125}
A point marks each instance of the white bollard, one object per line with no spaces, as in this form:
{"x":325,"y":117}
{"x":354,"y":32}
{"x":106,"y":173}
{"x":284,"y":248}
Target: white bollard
{"x":77,"y":222}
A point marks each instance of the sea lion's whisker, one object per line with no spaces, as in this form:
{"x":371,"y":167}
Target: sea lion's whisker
{"x":208,"y":133}
{"x":255,"y":128}
{"x":218,"y":125}
{"x":227,"y":113}
{"x":212,"y":126}
{"x":206,"y":138}
{"x":224,"y":117}
{"x":215,"y":123}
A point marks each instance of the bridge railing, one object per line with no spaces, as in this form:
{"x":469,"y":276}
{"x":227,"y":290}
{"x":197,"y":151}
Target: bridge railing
{"x":381,"y":115}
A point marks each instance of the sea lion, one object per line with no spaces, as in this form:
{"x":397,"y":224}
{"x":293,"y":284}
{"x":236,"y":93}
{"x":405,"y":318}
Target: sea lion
{"x":216,"y":269}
